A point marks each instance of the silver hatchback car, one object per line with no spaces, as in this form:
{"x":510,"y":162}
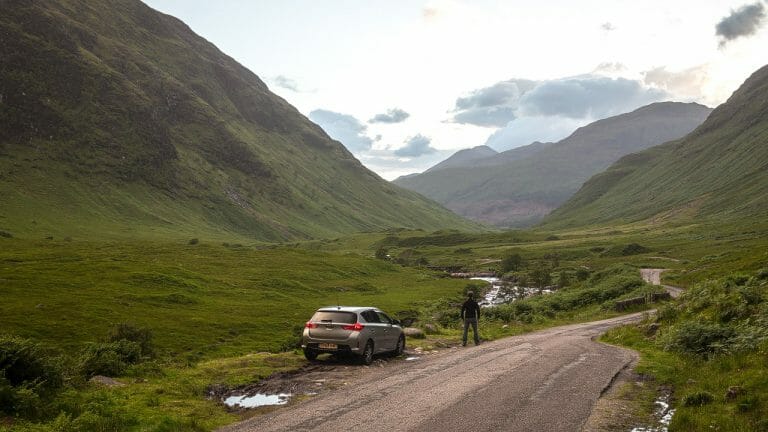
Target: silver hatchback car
{"x":363,"y":331}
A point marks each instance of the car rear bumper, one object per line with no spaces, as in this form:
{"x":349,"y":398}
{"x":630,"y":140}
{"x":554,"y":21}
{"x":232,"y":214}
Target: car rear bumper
{"x":340,"y":349}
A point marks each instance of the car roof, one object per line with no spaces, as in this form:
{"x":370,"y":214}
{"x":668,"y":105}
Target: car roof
{"x":355,"y":309}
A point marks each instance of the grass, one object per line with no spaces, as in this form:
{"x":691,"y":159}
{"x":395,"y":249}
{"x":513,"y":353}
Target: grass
{"x":224,"y":313}
{"x":200,"y":300}
{"x":711,"y":349}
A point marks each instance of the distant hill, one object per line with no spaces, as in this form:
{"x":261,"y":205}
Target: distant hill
{"x":518,"y":187}
{"x":719,"y":171}
{"x":466,"y":157}
{"x":118,"y":120}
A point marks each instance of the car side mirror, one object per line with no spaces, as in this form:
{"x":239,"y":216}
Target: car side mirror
{"x":396,"y":322}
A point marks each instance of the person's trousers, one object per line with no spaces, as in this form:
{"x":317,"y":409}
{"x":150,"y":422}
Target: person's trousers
{"x":467,"y":322}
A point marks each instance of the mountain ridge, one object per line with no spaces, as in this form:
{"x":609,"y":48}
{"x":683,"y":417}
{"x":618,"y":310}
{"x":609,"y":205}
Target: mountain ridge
{"x":717,"y":171}
{"x":536,"y":179}
{"x":125,"y":122}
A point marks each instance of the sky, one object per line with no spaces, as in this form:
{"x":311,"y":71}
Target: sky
{"x":403,"y":84}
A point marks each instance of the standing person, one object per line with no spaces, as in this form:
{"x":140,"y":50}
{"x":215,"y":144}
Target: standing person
{"x":470,"y":313}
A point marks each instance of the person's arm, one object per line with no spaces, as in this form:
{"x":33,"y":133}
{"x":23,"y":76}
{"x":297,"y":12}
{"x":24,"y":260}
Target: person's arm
{"x":463,"y":310}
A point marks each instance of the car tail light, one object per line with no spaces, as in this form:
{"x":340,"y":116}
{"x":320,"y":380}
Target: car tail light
{"x":354,"y":327}
{"x":310,"y":325}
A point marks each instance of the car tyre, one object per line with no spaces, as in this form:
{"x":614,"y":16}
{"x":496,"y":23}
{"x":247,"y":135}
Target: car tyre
{"x":400,"y":349}
{"x":367,"y":357}
{"x":310,"y":354}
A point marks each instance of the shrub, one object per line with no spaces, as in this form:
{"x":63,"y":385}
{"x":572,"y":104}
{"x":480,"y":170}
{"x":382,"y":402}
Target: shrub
{"x":582,"y":274}
{"x":5,"y":234}
{"x":698,"y":399}
{"x":109,"y":359}
{"x":27,"y":375}
{"x":762,"y":274}
{"x":667,"y":313}
{"x":699,"y":338}
{"x":382,"y":253}
{"x":129,"y":332}
{"x":194,"y":241}
{"x":512,"y":262}
{"x":23,"y":361}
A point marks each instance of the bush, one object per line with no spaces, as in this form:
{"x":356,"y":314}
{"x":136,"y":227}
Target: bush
{"x":667,"y":313}
{"x":697,"y":337}
{"x":512,"y":262}
{"x":382,"y":253}
{"x":698,"y":399}
{"x":27,"y":375}
{"x":194,"y":241}
{"x":109,"y":359}
{"x":142,"y":336}
{"x":23,"y":361}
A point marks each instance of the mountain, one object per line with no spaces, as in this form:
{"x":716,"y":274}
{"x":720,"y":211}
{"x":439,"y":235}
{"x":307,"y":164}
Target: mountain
{"x":118,"y":120}
{"x":519,"y":187}
{"x":466,"y":157}
{"x":719,"y":171}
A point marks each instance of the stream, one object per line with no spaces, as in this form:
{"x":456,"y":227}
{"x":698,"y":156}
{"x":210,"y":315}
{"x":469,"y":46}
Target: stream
{"x":502,"y":292}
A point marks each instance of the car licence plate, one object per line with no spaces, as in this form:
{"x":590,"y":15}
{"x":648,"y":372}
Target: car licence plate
{"x":328,"y":346}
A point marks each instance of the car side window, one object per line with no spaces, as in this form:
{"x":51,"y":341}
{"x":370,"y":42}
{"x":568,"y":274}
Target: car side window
{"x":370,"y":316}
{"x":384,"y":318}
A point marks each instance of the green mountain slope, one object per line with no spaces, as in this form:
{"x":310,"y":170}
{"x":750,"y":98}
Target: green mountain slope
{"x":519,"y":187}
{"x":117,"y":120}
{"x":718,"y":171}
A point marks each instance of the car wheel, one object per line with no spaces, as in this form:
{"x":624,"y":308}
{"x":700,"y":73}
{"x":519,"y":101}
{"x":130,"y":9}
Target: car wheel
{"x":310,"y":354}
{"x":367,"y":357}
{"x":400,"y":349}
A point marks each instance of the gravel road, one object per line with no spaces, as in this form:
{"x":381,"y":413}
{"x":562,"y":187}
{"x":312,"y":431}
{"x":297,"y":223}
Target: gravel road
{"x":653,"y":276}
{"x":543,"y":381}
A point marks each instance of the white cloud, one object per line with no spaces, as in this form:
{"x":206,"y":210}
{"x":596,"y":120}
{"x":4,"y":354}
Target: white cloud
{"x":686,"y":85}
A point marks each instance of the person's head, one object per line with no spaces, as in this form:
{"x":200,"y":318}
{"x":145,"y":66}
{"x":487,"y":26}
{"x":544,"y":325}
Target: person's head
{"x":470,"y":295}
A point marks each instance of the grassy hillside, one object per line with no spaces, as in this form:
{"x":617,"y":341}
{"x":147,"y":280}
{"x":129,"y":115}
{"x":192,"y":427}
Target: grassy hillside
{"x":525,"y":186}
{"x":119,"y":121}
{"x":719,"y":171}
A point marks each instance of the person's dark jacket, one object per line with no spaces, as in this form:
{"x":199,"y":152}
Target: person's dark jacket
{"x":470,"y":309}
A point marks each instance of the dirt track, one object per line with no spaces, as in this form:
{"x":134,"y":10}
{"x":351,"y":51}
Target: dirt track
{"x":543,"y":381}
{"x":653,"y":276}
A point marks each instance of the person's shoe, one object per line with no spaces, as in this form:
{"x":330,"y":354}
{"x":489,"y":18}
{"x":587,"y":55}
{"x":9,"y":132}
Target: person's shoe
{"x":463,"y":344}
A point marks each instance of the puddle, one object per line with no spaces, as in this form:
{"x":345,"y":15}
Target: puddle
{"x":257,"y":400}
{"x":664,"y":415}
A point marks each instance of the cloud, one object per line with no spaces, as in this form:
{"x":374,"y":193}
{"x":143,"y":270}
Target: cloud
{"x":609,"y":68}
{"x":492,"y":106}
{"x":286,"y":83}
{"x":415,"y":147}
{"x":685,"y":85}
{"x":395,"y":115}
{"x":344,"y":128}
{"x":525,"y":111}
{"x":744,"y":21}
{"x":608,"y":27}
{"x":588,"y":96}
{"x":592,"y":97}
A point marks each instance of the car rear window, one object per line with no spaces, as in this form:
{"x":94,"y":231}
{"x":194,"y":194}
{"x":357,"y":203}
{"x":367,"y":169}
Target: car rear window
{"x":333,"y":316}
